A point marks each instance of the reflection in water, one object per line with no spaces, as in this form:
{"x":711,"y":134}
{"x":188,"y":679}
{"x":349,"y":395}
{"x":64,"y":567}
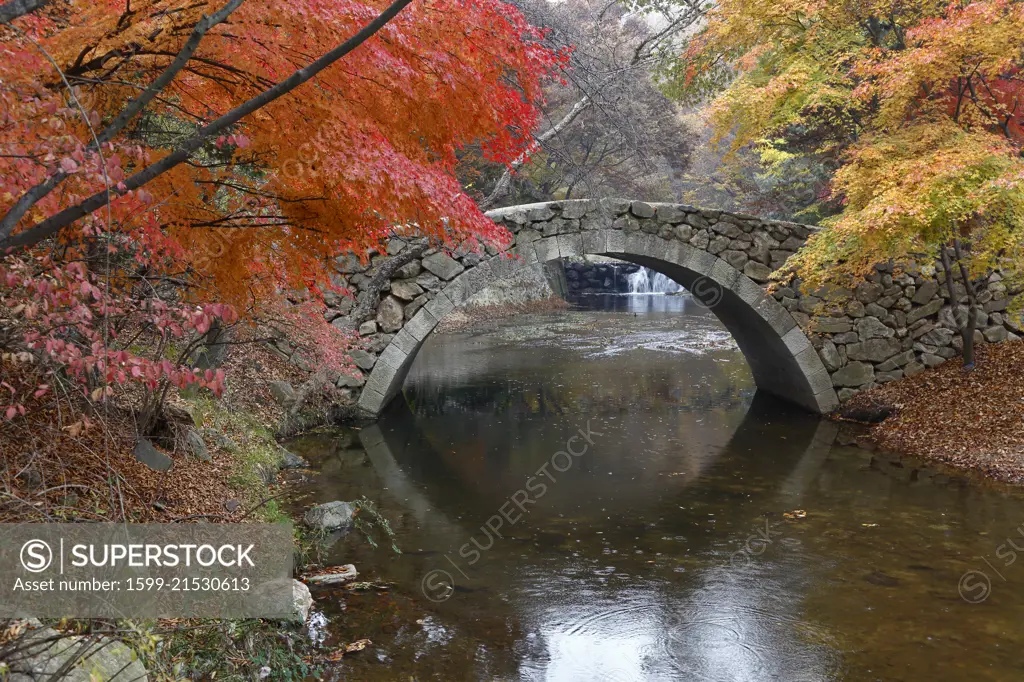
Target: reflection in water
{"x":661,"y":552}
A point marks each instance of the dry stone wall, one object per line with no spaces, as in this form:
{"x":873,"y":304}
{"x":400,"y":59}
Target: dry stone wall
{"x":894,"y":324}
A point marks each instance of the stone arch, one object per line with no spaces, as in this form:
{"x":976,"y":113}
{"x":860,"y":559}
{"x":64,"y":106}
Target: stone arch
{"x":673,"y":239}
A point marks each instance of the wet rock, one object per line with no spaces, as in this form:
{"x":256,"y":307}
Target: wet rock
{"x":289,"y":460}
{"x":335,"y":515}
{"x":341,"y":574}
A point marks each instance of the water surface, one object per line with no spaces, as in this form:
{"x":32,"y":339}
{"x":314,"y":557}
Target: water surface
{"x":700,"y":532}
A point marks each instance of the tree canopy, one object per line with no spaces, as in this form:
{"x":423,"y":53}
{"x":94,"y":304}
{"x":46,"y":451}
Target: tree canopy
{"x":919,"y":103}
{"x":220,"y":177}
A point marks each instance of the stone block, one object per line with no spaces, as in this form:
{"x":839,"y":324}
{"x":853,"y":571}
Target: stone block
{"x":820,"y":382}
{"x":421,"y":324}
{"x":854,"y":374}
{"x":547,"y":249}
{"x":381,"y":378}
{"x":393,"y":356}
{"x":442,"y":265}
{"x":616,"y":242}
{"x":796,"y":341}
{"x":775,"y":315}
{"x":438,"y":308}
{"x":759,"y":272}
{"x":725,"y":274}
{"x":808,"y":360}
{"x":924,"y":311}
{"x":406,"y":342}
{"x":570,"y":245}
{"x":641,"y":209}
{"x":370,"y":400}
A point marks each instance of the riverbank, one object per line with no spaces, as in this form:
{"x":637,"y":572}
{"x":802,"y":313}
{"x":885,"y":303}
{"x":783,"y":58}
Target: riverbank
{"x":972,"y":421}
{"x":69,"y":461}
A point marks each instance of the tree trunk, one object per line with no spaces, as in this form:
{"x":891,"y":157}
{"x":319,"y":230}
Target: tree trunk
{"x":967,"y":325}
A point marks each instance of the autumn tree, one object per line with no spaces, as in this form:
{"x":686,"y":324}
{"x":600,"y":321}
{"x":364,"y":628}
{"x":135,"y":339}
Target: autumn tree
{"x":168,"y":166}
{"x":918,"y":102}
{"x":607,"y":129}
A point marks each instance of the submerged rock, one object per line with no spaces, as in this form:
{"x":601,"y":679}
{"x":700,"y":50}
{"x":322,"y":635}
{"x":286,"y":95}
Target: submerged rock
{"x":335,"y":515}
{"x":289,"y":460}
{"x":339,"y":574}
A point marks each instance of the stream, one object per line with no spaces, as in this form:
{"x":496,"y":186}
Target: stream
{"x":600,"y":494}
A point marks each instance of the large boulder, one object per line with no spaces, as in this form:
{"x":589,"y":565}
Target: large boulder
{"x":331,"y":516}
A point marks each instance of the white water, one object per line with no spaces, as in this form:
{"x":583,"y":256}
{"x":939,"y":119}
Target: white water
{"x":647,"y":281}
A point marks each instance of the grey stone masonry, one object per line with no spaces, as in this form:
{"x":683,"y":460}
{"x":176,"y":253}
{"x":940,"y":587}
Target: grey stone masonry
{"x":815,"y":349}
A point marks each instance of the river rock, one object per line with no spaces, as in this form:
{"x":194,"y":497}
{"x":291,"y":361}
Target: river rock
{"x":289,"y":460}
{"x":335,"y":515}
{"x":347,"y":573}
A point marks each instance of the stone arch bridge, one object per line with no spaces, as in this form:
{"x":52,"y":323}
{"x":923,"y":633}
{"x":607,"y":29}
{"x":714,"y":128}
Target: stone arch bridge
{"x":888,"y":326}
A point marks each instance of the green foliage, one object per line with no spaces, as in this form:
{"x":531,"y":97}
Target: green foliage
{"x":368,"y":520}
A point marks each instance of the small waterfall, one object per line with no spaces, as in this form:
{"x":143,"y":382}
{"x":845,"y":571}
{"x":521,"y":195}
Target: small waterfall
{"x":647,"y":281}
